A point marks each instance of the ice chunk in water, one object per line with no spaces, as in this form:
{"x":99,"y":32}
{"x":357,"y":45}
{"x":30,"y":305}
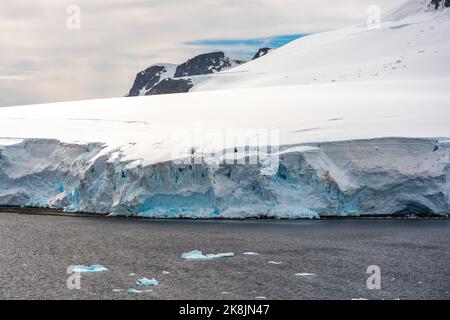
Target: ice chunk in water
{"x":135,"y":291}
{"x":198,"y":255}
{"x":147,"y":282}
{"x":93,"y":268}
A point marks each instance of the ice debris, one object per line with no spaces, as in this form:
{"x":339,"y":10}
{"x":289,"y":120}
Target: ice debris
{"x":198,"y":255}
{"x":147,"y":282}
{"x":133,"y":291}
{"x":93,"y":268}
{"x":305,"y":274}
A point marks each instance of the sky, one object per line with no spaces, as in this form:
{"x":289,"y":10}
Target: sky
{"x":47,"y":54}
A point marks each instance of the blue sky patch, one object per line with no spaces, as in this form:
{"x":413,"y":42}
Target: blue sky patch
{"x":245,"y":47}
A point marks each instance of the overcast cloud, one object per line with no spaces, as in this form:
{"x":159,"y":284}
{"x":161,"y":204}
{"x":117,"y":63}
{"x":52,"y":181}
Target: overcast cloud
{"x":43,"y":61}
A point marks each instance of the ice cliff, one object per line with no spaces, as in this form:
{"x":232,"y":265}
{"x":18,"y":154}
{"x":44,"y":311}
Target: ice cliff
{"x":395,"y":176}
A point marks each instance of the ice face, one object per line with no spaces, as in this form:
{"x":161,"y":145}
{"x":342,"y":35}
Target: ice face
{"x":359,"y":177}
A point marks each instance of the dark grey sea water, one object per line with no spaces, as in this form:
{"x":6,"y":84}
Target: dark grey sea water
{"x":35,"y":252}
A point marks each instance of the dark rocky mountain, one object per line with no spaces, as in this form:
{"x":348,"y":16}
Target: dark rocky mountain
{"x":205,"y":64}
{"x":169,"y":78}
{"x":147,"y":79}
{"x":439,"y":3}
{"x":262,"y":52}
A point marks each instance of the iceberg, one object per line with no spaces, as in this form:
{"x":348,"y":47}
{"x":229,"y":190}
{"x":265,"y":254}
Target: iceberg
{"x":133,"y":291}
{"x":147,"y":282}
{"x":198,"y":255}
{"x":93,"y":268}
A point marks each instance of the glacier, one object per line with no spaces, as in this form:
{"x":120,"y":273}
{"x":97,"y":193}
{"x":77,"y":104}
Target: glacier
{"x":385,"y":176}
{"x":362,"y":120}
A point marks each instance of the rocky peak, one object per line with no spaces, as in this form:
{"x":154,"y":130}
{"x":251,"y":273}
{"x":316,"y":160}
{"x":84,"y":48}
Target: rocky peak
{"x":146,"y":79}
{"x":440,"y":3}
{"x":205,"y":64}
{"x":170,"y":78}
{"x":262,"y":52}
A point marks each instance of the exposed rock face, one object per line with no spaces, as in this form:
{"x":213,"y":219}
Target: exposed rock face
{"x":150,"y":81}
{"x":205,"y":64}
{"x":439,"y":3}
{"x":262,"y":52}
{"x":168,"y":86}
{"x":395,"y":176}
{"x":146,"y":79}
{"x":165,"y":78}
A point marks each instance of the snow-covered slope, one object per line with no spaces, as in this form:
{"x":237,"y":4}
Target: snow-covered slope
{"x":411,"y":42}
{"x":366,"y":145}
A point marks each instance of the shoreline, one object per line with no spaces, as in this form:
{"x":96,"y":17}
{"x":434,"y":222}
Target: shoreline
{"x":60,"y":213}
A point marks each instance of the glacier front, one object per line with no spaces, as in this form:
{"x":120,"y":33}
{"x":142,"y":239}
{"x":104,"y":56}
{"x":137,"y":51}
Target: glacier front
{"x":390,"y":176}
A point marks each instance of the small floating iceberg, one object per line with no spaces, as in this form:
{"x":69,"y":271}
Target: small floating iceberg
{"x":93,"y":268}
{"x":250,"y":253}
{"x":147,"y":282}
{"x":133,"y":291}
{"x":198,"y":255}
{"x":305,"y":274}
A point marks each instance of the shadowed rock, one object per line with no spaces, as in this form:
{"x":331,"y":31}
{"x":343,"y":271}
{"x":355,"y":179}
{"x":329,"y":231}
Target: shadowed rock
{"x":205,"y":64}
{"x":171,"y":86}
{"x":261,"y":52}
{"x":146,"y":79}
{"x":439,"y":3}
